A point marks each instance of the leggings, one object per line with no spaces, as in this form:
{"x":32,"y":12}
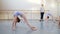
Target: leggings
{"x":42,"y":15}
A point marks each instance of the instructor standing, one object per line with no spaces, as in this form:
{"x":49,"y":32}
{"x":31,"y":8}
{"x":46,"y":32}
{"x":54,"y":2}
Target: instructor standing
{"x":42,"y":12}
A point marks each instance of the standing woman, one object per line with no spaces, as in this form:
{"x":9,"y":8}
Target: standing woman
{"x":42,"y":11}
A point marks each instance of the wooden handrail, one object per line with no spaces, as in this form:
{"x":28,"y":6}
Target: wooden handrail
{"x":22,"y":10}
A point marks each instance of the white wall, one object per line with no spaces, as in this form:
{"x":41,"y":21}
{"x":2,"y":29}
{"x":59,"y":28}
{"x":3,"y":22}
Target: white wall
{"x":0,"y":4}
{"x":50,"y":5}
{"x":18,"y":4}
{"x":58,"y":7}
